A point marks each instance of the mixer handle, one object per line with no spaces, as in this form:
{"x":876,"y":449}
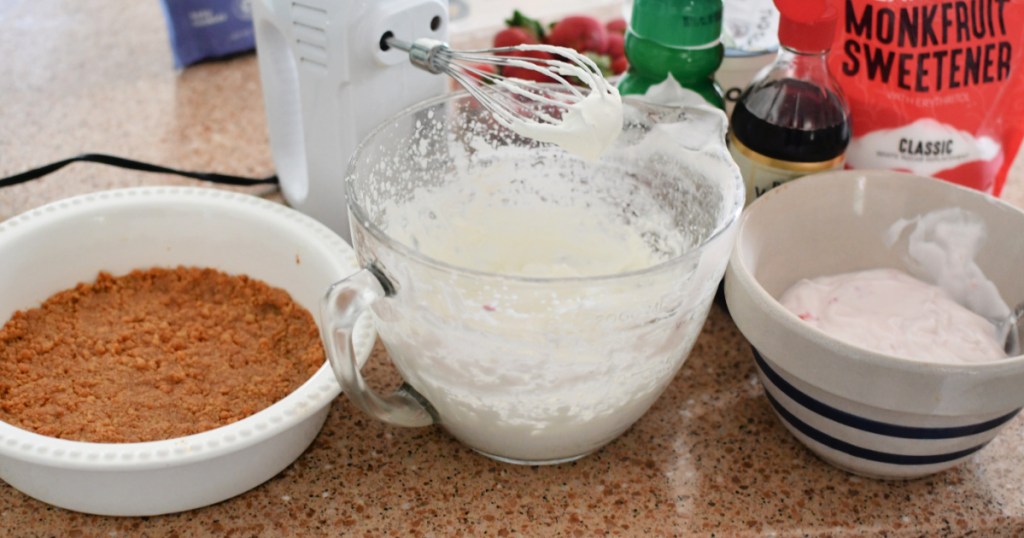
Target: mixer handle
{"x":345,"y":302}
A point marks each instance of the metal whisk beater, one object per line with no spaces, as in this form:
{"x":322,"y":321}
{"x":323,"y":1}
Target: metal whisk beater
{"x":510,"y":99}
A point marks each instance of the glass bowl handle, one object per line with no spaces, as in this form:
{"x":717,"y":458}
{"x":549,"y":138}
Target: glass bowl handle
{"x":345,"y":301}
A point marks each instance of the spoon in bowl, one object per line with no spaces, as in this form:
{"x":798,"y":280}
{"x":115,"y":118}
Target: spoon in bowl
{"x":1011,"y":326}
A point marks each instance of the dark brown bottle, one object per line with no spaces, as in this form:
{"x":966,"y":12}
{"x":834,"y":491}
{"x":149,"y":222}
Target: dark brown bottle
{"x":793,"y":119}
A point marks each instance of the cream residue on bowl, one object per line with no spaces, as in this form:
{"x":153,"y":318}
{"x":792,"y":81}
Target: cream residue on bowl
{"x":941,"y":248}
{"x":487,"y":225}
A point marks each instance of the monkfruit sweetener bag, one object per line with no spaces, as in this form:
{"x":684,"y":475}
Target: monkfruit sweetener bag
{"x":936,"y":88}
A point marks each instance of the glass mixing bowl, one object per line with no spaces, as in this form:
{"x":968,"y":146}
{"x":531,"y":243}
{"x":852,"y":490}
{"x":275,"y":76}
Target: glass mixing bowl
{"x":535,"y":303}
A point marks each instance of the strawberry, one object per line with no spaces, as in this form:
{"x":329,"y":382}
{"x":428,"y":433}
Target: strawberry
{"x":620,"y":65}
{"x":531,"y":26}
{"x":484,"y":69}
{"x":580,"y":32}
{"x":616,"y":45}
{"x":616,"y":26}
{"x":523,"y":72}
{"x":510,"y":37}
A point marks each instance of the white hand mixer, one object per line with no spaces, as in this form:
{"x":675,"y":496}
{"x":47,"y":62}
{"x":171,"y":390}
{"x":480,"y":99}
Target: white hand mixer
{"x":330,"y":74}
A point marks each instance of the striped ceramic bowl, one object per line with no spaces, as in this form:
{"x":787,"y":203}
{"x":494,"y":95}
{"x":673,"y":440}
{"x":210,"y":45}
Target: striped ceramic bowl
{"x":866,"y":412}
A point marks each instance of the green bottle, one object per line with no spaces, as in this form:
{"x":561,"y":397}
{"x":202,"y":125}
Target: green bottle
{"x":680,"y":37}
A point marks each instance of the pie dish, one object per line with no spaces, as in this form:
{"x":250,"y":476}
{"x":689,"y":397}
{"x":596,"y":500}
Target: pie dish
{"x":58,"y":245}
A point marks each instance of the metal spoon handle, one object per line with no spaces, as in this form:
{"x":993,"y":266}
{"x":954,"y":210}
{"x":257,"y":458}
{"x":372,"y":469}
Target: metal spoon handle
{"x":1013,"y":327}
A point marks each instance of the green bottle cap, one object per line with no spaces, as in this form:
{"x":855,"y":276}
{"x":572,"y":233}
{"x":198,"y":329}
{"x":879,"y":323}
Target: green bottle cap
{"x":678,"y":23}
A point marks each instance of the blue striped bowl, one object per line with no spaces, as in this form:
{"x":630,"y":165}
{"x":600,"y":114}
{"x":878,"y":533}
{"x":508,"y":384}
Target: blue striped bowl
{"x":865,"y":412}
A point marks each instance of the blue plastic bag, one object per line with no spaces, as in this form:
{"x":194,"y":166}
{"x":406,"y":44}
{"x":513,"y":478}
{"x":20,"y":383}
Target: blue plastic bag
{"x":208,"y":29}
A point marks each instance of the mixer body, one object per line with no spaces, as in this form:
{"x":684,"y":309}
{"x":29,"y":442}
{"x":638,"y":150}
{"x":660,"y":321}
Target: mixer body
{"x":327,"y":83}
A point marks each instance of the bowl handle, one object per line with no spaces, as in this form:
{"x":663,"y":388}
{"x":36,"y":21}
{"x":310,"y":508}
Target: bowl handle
{"x":345,"y":301}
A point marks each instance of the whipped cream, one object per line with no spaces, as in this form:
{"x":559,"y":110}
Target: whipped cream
{"x":538,"y":370}
{"x":670,"y":92}
{"x":891,"y":312}
{"x":541,"y":242}
{"x":501,"y":224}
{"x":941,"y":247}
{"x":588,"y":126}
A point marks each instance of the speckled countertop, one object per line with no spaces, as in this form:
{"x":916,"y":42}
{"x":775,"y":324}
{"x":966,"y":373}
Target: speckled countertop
{"x":708,"y":459}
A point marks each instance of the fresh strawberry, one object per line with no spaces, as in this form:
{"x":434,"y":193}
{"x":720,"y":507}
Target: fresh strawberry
{"x":523,"y":72}
{"x":620,"y":65}
{"x":482,"y":70}
{"x":531,"y":26}
{"x":616,"y":26}
{"x":510,"y":37}
{"x":616,"y":45}
{"x":580,"y":32}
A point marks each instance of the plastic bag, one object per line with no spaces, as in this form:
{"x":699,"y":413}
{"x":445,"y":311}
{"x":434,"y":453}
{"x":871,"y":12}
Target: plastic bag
{"x":207,"y":29}
{"x":936,"y":88}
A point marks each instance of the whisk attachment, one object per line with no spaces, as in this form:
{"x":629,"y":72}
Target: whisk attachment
{"x":576,"y":108}
{"x":428,"y":54}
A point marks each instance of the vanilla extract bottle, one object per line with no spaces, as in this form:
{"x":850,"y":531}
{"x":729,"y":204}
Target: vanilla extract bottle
{"x":792,"y":119}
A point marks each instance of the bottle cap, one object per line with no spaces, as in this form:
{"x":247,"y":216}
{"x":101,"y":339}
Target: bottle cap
{"x":807,"y":25}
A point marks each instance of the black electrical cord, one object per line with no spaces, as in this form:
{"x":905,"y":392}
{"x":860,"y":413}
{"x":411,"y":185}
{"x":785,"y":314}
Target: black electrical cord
{"x":111,"y":160}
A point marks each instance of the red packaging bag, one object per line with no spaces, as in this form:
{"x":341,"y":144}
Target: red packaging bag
{"x":936,"y":88}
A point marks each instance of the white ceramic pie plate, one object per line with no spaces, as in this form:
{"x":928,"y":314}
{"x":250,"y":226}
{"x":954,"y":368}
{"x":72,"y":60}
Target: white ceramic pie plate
{"x":56,"y":246}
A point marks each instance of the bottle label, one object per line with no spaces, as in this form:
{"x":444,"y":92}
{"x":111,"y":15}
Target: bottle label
{"x":935,"y":87}
{"x":762,"y":173}
{"x":678,"y":24}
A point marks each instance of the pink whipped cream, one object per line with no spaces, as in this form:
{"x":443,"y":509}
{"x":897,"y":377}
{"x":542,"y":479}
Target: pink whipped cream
{"x":891,"y":312}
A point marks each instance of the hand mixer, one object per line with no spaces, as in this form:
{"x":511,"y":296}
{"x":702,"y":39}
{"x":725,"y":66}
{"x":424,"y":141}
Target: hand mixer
{"x":330,"y":75}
